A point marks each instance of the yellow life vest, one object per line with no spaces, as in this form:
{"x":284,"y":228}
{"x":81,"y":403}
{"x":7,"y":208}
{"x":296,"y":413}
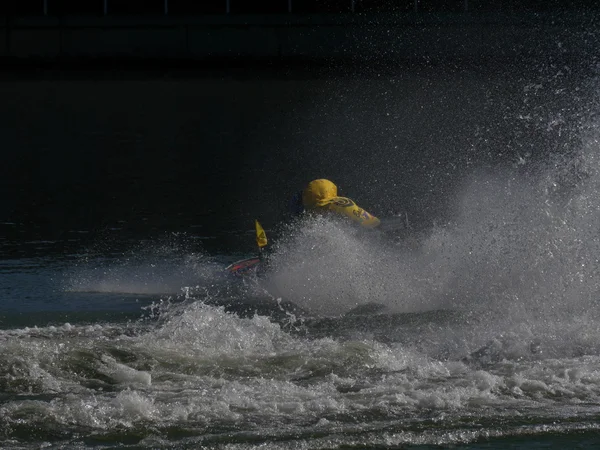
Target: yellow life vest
{"x":321,"y":195}
{"x":345,"y":207}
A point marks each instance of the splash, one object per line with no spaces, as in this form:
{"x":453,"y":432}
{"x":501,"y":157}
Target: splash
{"x":328,"y":267}
{"x":519,"y":252}
{"x":154,"y":268}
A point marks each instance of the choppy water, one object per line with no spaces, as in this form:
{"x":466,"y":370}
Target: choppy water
{"x":486,"y":333}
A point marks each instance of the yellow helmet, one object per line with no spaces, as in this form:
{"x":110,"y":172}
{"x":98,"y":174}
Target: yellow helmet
{"x":318,"y":192}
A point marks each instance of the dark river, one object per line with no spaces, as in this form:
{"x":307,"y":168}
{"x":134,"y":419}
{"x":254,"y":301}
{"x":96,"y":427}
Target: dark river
{"x":471,"y":321}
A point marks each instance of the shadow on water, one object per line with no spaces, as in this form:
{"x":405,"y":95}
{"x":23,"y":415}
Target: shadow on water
{"x":12,"y":320}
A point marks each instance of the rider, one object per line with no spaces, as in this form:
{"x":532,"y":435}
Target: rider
{"x":320,"y":196}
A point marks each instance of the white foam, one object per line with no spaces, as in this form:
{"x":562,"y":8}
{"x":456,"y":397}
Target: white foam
{"x":122,"y":373}
{"x":156,"y":268}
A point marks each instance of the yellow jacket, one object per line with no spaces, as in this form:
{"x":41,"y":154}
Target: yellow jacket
{"x":321,"y":196}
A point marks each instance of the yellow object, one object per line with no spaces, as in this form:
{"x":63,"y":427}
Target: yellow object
{"x":346,"y":207}
{"x":261,"y":237}
{"x":321,"y":195}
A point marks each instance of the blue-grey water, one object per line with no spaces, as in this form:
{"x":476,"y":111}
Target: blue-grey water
{"x":125,"y":196}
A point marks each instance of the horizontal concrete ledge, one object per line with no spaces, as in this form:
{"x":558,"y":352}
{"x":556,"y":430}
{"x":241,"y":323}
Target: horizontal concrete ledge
{"x":313,"y":37}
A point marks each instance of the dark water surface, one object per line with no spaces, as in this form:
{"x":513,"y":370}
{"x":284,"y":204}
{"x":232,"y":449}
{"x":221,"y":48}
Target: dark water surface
{"x":124,"y":196}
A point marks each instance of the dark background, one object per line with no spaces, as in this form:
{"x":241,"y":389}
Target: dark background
{"x":176,"y":7}
{"x":206,"y":148}
{"x":205,"y":153}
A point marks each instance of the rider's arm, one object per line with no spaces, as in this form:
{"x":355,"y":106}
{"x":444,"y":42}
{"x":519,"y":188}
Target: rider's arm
{"x":346,"y":207}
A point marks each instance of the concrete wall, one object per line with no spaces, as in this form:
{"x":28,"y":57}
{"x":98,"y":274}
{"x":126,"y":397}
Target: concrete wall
{"x":327,"y":36}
